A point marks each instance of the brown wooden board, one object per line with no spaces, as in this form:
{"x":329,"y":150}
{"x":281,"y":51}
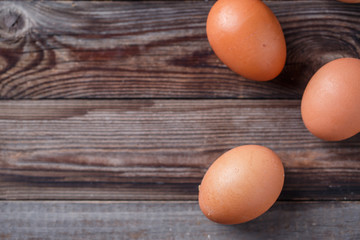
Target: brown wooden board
{"x":157,"y":49}
{"x":173,"y":220}
{"x":160,"y":149}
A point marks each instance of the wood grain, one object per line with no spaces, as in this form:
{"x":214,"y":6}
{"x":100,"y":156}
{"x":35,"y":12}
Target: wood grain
{"x":160,"y":149}
{"x":155,"y":49}
{"x":173,"y":220}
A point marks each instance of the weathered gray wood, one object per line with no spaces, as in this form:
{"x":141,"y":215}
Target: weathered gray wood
{"x":158,"y":49}
{"x":160,"y":149}
{"x":173,"y":220}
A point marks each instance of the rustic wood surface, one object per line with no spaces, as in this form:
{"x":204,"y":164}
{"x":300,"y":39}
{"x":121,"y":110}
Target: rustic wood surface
{"x":111,"y":112}
{"x":174,"y":220}
{"x":155,"y":49}
{"x":160,"y":149}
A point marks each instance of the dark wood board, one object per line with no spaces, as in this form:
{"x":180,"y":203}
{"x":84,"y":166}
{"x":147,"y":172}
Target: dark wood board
{"x":160,"y":149}
{"x":173,"y":220}
{"x":156,"y":49}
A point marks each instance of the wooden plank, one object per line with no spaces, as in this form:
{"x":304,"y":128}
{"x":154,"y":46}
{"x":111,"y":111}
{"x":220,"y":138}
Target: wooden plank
{"x":173,"y":220}
{"x":160,"y":149}
{"x":155,"y":49}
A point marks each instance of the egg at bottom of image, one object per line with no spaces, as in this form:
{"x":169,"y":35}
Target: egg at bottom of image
{"x":241,"y":184}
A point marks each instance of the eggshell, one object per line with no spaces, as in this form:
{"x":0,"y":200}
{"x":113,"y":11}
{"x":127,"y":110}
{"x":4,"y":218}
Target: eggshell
{"x":241,"y":184}
{"x":330,"y":105}
{"x":247,"y":37}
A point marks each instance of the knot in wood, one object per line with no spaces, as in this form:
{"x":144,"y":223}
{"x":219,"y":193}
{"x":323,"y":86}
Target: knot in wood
{"x":12,"y":22}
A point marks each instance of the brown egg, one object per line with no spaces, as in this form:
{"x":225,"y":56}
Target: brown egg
{"x":330,"y":106}
{"x":247,"y":37}
{"x":241,"y":184}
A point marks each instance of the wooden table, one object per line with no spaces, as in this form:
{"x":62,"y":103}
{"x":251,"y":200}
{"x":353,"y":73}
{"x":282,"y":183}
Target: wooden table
{"x":111,"y":113}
